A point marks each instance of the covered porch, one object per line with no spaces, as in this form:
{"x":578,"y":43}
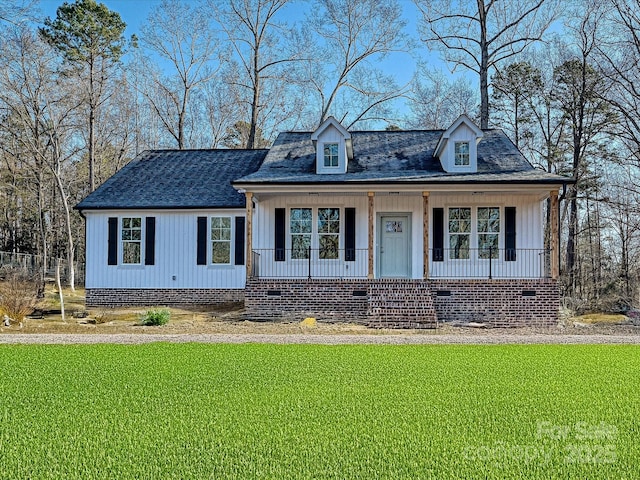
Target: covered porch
{"x":403,"y":235}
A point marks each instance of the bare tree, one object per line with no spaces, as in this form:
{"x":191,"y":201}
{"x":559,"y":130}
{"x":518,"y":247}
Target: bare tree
{"x":39,"y":100}
{"x":437,"y":101}
{"x":580,"y":94}
{"x":480,"y":35}
{"x":619,"y":54}
{"x":352,"y":35}
{"x":265,"y":53}
{"x":17,"y":12}
{"x":181,"y":34}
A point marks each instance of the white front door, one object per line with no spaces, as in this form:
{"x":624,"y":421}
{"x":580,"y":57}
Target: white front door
{"x":394,"y":253}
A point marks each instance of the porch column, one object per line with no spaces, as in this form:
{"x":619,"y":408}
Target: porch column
{"x":249,"y":262}
{"x":425,"y":234}
{"x":370,"y":270}
{"x":553,"y":236}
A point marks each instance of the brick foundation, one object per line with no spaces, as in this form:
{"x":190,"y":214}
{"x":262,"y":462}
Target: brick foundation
{"x":379,"y":303}
{"x":296,"y":299}
{"x":124,"y":297}
{"x":407,"y":303}
{"x":498,"y":303}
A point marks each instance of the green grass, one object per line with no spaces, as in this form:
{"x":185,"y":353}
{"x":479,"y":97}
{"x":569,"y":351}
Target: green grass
{"x":308,"y":411}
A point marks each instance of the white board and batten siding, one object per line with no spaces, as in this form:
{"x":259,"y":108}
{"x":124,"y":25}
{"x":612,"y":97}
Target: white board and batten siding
{"x":175,"y":253}
{"x":529,"y":221}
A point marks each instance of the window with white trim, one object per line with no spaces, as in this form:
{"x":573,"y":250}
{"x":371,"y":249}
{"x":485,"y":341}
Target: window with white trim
{"x":459,"y":233}
{"x":328,"y":233}
{"x":221,"y":240}
{"x":317,"y":229}
{"x":331,"y":158}
{"x":461,"y":150}
{"x":131,"y":238}
{"x":301,"y":228}
{"x":474,"y":226}
{"x":488,"y":232}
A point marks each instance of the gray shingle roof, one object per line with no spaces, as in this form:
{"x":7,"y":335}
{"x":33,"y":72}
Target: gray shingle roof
{"x":394,"y":157}
{"x":177,"y":179}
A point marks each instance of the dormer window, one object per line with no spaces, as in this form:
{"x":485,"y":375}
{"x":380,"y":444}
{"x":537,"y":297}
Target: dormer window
{"x":461,"y":154}
{"x":333,"y":147}
{"x":457,"y":148}
{"x":331,"y":158}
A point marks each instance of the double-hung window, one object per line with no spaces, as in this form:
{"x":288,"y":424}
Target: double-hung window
{"x":461,"y":154}
{"x":331,"y":155}
{"x":131,"y":238}
{"x":301,"y":227}
{"x":324,"y":238}
{"x":220,"y":240}
{"x":459,"y":233}
{"x":328,"y":233}
{"x":478,"y":227}
{"x":488,"y":232}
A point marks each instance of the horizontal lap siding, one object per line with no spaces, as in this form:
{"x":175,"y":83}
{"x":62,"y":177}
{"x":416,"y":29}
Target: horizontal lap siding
{"x":175,"y":255}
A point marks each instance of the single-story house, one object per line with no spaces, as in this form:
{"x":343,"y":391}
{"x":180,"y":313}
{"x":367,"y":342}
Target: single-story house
{"x":390,"y":228}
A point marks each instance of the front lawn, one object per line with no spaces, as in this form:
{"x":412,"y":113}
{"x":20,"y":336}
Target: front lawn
{"x":309,"y":411}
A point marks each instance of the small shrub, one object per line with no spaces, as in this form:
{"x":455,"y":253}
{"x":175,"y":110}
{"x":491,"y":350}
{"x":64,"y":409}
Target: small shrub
{"x":155,"y":317}
{"x":18,"y":294}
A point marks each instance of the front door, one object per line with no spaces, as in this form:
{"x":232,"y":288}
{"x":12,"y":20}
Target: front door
{"x":395,"y":249}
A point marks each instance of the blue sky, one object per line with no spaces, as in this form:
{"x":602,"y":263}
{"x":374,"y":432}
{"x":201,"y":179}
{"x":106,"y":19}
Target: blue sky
{"x":401,"y":64}
{"x":135,"y":12}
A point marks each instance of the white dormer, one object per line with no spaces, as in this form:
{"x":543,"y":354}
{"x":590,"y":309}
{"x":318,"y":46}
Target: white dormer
{"x":333,"y":147}
{"x":457,"y":148}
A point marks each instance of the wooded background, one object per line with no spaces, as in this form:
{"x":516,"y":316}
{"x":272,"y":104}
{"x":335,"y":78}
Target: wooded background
{"x":78,"y":101}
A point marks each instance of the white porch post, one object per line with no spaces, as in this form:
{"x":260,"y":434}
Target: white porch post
{"x":425,"y":234}
{"x":553,"y":236}
{"x":249,"y":197}
{"x":370,"y":269}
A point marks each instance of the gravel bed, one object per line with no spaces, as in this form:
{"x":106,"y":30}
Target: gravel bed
{"x":490,"y":337}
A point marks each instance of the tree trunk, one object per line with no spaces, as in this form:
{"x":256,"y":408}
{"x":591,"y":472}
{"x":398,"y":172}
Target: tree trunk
{"x":92,"y":121}
{"x":484,"y":67}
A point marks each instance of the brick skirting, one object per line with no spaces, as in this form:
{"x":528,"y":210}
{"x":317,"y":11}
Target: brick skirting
{"x":296,"y":299}
{"x":122,"y":297}
{"x":407,"y":303}
{"x":498,"y":303}
{"x":380,"y":303}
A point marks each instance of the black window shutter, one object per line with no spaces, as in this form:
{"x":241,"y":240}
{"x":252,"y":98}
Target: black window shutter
{"x":280,"y":235}
{"x":240,"y":241}
{"x":350,"y":234}
{"x":150,"y":241}
{"x":510,"y":234}
{"x":438,"y":235}
{"x":202,"y":240}
{"x":112,"y":257}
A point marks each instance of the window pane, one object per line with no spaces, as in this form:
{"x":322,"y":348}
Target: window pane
{"x":488,"y":246}
{"x":130,"y":252}
{"x":459,"y":247}
{"x":301,"y":220}
{"x":300,"y":246}
{"x":461,"y":153}
{"x":330,"y":154}
{"x":328,"y":220}
{"x":329,"y":247}
{"x":488,"y":220}
{"x":221,"y":252}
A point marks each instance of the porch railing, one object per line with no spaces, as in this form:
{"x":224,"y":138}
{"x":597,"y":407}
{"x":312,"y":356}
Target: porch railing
{"x":489,"y":263}
{"x":443,"y":263}
{"x":310,"y":263}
